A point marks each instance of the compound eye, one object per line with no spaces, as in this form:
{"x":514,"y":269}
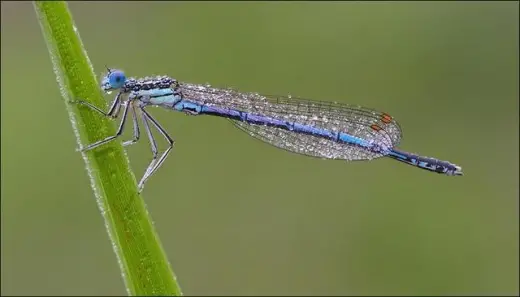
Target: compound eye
{"x":117,"y":79}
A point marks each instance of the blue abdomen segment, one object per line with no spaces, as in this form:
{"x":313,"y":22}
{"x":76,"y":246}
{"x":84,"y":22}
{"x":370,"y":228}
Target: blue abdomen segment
{"x":187,"y":106}
{"x":233,"y":114}
{"x":268,"y":121}
{"x":431,"y":164}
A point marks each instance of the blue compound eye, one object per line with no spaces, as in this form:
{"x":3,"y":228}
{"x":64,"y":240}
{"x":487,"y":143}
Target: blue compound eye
{"x":117,"y":79}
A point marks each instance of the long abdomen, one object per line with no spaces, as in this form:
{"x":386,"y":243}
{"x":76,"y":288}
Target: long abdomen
{"x":254,"y":119}
{"x":346,"y":146}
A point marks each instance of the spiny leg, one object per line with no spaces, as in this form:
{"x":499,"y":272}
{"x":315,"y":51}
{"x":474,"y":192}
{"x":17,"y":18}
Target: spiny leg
{"x":153,"y":144}
{"x":136,"y":129}
{"x":110,"y":138}
{"x":113,"y":112}
{"x":168,"y":149}
{"x":165,"y":135}
{"x":163,"y":157}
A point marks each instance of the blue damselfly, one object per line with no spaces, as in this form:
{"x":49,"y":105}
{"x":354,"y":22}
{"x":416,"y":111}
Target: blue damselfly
{"x":321,"y":129}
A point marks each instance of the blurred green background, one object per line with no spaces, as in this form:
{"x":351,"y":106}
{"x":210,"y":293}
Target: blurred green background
{"x":237,"y":216}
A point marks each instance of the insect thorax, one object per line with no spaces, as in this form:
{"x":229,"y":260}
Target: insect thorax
{"x":150,"y":83}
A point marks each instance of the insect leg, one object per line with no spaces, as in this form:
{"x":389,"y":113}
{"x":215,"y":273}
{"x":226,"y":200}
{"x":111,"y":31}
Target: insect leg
{"x":136,"y":129}
{"x":154,"y":165}
{"x":153,"y":144}
{"x":113,"y":112}
{"x":110,"y":138}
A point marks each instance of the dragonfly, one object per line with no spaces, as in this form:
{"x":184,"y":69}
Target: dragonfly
{"x":327,"y":130}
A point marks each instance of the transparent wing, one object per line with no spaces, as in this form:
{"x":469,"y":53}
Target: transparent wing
{"x":364,"y":123}
{"x":306,"y":144}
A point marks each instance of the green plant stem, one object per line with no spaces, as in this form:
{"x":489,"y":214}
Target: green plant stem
{"x":144,"y":266}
